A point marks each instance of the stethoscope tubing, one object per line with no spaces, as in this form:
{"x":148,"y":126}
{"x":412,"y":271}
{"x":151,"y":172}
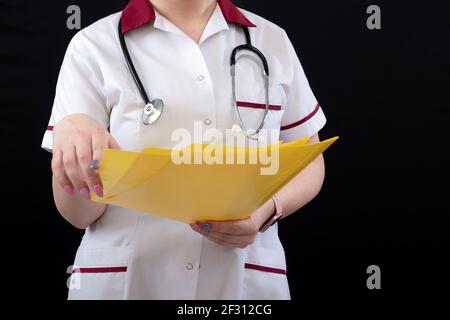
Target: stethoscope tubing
{"x":249,"y":47}
{"x":131,"y":66}
{"x":233,"y":59}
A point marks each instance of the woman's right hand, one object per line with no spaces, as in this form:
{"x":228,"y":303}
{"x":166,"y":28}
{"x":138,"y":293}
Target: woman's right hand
{"x":77,"y":141}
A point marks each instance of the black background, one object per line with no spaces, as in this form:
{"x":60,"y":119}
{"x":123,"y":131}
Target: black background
{"x":384,"y":202}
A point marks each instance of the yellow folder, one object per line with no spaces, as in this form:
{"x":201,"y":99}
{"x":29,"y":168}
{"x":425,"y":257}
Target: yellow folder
{"x":229,"y":184}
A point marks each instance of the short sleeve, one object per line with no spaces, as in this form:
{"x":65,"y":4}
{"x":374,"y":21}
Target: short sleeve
{"x":78,"y":90}
{"x":303,"y":115}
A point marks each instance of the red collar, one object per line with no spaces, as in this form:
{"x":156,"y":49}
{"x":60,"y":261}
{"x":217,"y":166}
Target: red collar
{"x":140,"y":12}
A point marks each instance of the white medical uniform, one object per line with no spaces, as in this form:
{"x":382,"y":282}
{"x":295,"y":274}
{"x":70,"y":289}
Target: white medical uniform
{"x":133,"y":255}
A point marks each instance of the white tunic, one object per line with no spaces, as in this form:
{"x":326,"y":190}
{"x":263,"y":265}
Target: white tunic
{"x":133,"y":255}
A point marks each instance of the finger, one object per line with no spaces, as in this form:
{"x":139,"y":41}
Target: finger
{"x":84,"y":157}
{"x":71,"y":168}
{"x":59,"y":173}
{"x":240,"y":240}
{"x":232,"y":240}
{"x":234,"y":227}
{"x":225,"y":243}
{"x":99,"y":144}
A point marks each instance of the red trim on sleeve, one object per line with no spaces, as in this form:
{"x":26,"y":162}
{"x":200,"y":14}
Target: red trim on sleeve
{"x":301,"y":121}
{"x":100,"y":270}
{"x":265,"y":269}
{"x":50,"y":128}
{"x":256,"y":105}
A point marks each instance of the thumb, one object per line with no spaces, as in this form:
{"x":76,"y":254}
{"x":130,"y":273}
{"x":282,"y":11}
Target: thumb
{"x":112,"y":143}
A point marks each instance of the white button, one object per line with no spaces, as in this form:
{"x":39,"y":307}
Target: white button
{"x":207,"y":121}
{"x":189,"y":266}
{"x":200,"y":78}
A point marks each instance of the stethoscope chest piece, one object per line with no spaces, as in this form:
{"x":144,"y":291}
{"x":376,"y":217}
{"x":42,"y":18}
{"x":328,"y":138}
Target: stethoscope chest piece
{"x":152,"y":111}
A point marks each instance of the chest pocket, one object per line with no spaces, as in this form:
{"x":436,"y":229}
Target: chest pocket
{"x":251,"y":99}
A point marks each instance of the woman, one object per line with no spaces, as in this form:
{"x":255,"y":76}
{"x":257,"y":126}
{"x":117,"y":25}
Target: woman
{"x":181,"y":49}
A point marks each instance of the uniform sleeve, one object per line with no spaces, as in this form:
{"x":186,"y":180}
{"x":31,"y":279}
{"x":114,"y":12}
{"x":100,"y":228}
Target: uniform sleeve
{"x":78,"y":90}
{"x":303,"y":116}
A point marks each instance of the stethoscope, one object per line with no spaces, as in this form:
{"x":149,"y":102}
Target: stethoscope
{"x":154,"y":108}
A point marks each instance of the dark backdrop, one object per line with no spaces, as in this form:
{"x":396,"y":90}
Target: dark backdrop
{"x":385,"y":92}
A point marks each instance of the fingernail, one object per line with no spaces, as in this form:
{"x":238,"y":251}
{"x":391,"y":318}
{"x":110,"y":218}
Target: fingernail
{"x":195,"y":227}
{"x":205,"y":226}
{"x":69,"y":189}
{"x":98,"y":190}
{"x":85,"y":193}
{"x":94,"y":164}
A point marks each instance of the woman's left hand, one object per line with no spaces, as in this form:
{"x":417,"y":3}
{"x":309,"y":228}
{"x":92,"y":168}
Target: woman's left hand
{"x":236,"y":233}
